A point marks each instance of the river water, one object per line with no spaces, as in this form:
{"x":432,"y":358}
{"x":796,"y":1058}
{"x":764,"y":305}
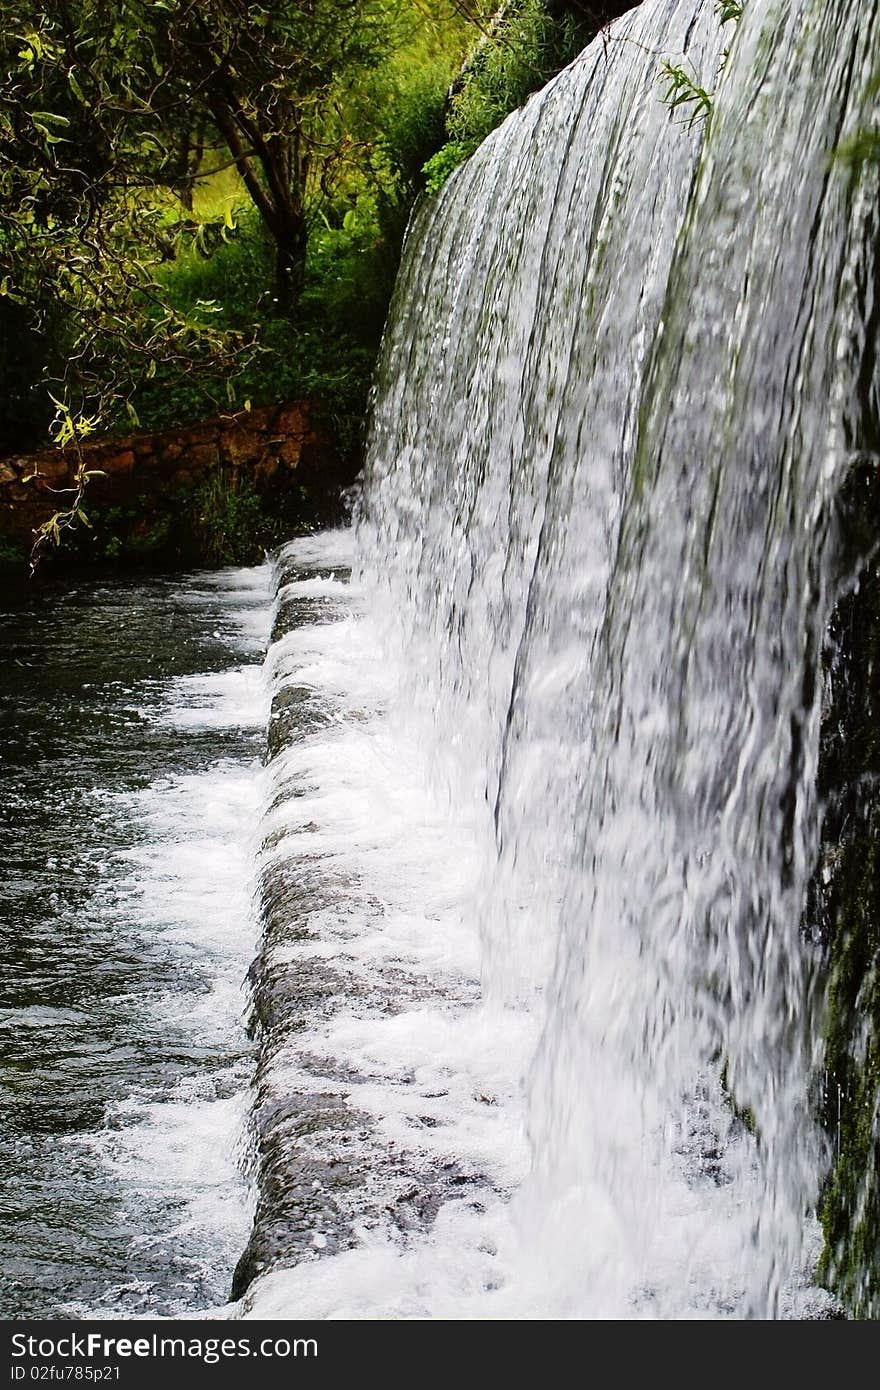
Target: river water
{"x":132,"y":722}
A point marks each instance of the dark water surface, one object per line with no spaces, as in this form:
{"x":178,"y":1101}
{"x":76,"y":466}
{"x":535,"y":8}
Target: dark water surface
{"x":131,"y":727}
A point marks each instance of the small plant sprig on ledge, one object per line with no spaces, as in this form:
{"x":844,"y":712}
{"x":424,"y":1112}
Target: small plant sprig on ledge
{"x":682,"y":90}
{"x":728,"y":11}
{"x":684,"y":93}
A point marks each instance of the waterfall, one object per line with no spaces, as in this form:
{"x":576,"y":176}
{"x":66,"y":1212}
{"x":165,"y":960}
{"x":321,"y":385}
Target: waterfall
{"x":622,"y":386}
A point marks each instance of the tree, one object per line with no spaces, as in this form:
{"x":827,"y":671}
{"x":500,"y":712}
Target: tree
{"x":272,"y":79}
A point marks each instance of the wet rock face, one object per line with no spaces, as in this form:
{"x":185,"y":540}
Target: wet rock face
{"x":845,"y":899}
{"x":280,"y":453}
{"x":323,"y":1170}
{"x":846,"y":911}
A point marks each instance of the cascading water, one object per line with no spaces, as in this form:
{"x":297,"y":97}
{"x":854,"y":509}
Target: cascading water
{"x":562,"y":730}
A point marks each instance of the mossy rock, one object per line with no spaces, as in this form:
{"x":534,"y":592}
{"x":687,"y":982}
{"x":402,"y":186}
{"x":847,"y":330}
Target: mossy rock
{"x":846,"y":912}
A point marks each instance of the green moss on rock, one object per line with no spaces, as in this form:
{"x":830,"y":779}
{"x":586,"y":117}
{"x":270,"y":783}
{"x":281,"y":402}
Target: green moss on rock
{"x":847,"y":913}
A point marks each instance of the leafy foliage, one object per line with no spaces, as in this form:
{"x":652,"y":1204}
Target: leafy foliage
{"x":524,"y":47}
{"x":80,"y":241}
{"x":438,"y":168}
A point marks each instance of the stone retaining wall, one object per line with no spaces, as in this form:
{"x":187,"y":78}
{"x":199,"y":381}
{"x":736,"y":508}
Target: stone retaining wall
{"x":281,"y":452}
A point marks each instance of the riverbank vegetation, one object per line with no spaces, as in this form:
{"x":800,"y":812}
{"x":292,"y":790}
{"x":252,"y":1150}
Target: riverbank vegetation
{"x":202,"y":206}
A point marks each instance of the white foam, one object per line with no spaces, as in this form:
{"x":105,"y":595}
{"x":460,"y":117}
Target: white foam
{"x":324,"y":548}
{"x":220,"y":700}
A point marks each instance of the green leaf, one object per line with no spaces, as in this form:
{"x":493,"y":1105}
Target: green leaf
{"x":50,"y":117}
{"x":76,"y":88}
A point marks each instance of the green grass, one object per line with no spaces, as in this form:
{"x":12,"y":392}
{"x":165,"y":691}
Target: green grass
{"x":327,"y":354}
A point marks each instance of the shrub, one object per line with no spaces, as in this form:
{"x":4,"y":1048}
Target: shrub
{"x":526,"y":47}
{"x":226,"y":521}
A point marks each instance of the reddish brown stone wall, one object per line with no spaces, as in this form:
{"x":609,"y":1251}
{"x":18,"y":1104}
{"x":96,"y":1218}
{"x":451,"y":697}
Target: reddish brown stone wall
{"x":279,"y":448}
